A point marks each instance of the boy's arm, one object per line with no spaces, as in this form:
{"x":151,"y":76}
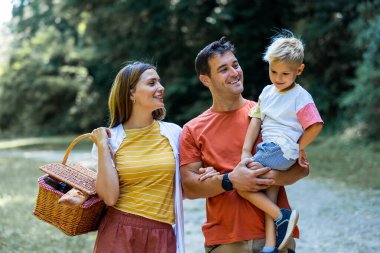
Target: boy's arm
{"x":309,"y":135}
{"x":250,"y":137}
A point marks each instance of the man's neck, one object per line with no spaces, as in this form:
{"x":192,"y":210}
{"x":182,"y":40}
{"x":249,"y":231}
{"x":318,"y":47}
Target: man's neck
{"x":230,"y":104}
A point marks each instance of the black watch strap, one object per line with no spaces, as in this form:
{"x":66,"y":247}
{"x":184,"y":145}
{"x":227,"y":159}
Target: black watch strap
{"x":226,"y":183}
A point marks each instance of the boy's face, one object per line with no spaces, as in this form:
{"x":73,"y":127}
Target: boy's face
{"x":283,"y":75}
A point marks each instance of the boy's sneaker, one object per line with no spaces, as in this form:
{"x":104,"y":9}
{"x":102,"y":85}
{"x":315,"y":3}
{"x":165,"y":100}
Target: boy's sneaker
{"x":285,"y":227}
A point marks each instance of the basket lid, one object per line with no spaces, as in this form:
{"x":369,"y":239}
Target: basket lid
{"x":74,"y":175}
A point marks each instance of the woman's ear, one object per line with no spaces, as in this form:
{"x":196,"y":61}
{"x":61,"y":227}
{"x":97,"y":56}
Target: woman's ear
{"x":132,"y":96}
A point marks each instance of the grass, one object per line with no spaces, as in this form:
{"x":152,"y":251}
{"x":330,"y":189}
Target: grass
{"x":20,"y":231}
{"x":43,"y":143}
{"x":355,"y":162}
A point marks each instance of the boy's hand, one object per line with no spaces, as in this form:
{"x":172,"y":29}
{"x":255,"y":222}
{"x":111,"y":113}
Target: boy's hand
{"x":302,"y":159}
{"x":207,"y":172}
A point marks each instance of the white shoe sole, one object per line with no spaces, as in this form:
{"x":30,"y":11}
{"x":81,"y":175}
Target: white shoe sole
{"x":292,"y":223}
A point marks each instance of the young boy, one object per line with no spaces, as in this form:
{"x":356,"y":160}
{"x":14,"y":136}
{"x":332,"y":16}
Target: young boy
{"x":289,"y":121}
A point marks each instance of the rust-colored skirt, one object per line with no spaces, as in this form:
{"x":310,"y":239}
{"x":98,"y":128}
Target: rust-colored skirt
{"x":121,"y":232}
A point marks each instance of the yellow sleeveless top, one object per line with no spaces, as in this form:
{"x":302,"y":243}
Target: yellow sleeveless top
{"x":146,"y":167}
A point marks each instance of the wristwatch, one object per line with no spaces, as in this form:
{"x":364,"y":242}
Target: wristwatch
{"x":226,"y":183}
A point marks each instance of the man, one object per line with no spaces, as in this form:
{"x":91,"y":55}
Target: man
{"x":215,"y":139}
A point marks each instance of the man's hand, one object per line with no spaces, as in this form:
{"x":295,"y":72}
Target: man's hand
{"x":207,"y":172}
{"x":254,"y":165}
{"x":247,"y":179}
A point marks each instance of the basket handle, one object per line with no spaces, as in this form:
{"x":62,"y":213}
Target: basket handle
{"x":74,"y":142}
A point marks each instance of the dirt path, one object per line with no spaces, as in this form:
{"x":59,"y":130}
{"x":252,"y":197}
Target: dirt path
{"x":333,"y":218}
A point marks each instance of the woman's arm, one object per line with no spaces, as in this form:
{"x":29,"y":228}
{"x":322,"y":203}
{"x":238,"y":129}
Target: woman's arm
{"x":107,"y":180}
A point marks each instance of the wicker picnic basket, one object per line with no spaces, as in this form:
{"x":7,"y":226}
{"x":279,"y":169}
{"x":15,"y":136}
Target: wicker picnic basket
{"x":71,"y":220}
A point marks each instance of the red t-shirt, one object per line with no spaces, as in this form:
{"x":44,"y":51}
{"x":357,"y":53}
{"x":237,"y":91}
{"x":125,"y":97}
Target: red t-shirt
{"x":216,"y":139}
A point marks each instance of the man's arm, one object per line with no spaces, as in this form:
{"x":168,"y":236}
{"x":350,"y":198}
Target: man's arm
{"x":242,"y":178}
{"x":194,"y":188}
{"x":292,"y":175}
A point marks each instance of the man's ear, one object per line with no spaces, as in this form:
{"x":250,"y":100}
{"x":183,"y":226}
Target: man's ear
{"x":205,"y":79}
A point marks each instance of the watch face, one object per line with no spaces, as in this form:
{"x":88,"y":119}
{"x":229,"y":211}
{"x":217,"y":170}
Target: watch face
{"x":226,"y":183}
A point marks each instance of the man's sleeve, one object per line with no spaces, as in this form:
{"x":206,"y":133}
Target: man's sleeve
{"x":189,"y":150}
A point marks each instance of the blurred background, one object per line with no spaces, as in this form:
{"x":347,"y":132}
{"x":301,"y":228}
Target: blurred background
{"x":58,"y":59}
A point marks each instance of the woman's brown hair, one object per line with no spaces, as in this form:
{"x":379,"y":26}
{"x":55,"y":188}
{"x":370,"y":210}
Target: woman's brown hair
{"x":119,"y":102}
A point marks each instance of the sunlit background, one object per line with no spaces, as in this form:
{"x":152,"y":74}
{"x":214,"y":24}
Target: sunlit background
{"x":5,"y":11}
{"x":58,"y":59}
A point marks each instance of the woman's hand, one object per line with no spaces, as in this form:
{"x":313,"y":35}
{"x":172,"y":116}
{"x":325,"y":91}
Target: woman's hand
{"x":100,"y":136}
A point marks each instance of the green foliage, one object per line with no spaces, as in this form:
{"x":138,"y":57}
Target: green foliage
{"x":43,"y":90}
{"x":329,"y":55}
{"x":65,"y":54}
{"x":363,"y":101}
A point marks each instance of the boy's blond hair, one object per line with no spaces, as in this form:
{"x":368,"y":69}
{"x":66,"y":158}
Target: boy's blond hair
{"x":285,"y":48}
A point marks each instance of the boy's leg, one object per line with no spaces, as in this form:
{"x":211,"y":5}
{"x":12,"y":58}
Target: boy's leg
{"x":261,"y":201}
{"x":285,"y":225}
{"x":270,"y":231}
{"x":272,"y":211}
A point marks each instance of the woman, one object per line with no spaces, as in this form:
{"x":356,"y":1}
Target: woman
{"x":140,"y":182}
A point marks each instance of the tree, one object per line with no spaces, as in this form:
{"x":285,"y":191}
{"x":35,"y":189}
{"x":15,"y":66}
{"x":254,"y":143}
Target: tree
{"x":43,"y":89}
{"x":329,"y":53}
{"x":363,"y":103}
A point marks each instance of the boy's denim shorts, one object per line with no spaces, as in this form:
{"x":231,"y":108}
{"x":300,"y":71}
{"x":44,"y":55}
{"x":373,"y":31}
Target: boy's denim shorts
{"x":269,"y":154}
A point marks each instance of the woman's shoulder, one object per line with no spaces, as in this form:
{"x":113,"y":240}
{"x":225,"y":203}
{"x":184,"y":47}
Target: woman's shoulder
{"x":117,"y":133}
{"x":170,"y":126}
{"x":117,"y":128}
